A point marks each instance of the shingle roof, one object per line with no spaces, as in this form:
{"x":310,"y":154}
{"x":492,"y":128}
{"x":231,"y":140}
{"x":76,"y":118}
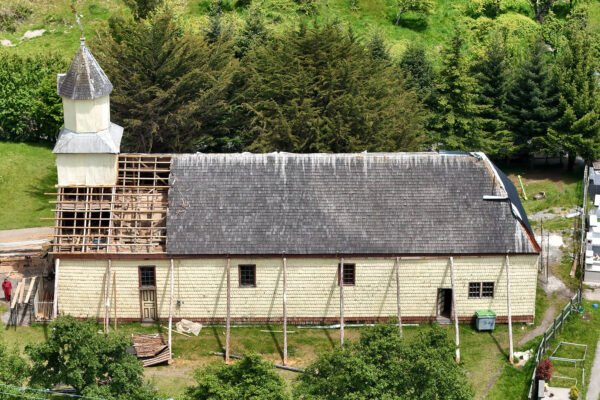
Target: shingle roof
{"x":85,"y":79}
{"x":399,"y":203}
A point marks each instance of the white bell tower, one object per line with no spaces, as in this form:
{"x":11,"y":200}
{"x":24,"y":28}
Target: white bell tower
{"x":88,"y":144}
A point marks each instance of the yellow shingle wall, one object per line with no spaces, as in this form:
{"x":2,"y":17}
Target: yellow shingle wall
{"x":200,"y":284}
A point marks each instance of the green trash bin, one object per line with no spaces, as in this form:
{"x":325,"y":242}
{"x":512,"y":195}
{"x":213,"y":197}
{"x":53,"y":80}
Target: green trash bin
{"x":486,"y":320}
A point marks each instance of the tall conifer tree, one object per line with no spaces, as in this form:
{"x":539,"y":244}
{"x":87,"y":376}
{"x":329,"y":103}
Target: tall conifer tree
{"x":578,"y":128}
{"x":531,"y":104}
{"x":490,"y":71}
{"x":456,"y":122}
{"x":170,"y":88}
{"x":319,"y":90}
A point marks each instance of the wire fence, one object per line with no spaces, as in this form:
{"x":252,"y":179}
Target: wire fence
{"x":573,"y":306}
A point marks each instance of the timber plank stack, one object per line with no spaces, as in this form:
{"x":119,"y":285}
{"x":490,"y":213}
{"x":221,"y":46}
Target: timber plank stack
{"x":151,"y":349}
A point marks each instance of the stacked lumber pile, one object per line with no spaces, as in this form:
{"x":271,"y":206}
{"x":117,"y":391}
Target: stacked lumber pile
{"x":151,"y":349}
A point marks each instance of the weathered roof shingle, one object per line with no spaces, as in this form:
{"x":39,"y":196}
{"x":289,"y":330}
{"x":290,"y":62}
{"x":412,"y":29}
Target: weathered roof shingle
{"x":303,"y":204}
{"x":85,"y":79}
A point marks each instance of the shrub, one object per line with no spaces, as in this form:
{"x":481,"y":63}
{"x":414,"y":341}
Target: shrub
{"x":250,"y":378}
{"x":30,"y":109}
{"x":10,"y":16}
{"x":544,"y":370}
{"x":574,"y":393}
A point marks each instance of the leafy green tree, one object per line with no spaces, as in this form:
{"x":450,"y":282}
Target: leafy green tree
{"x":318,"y":90}
{"x":542,"y":8}
{"x":531,"y":106}
{"x":424,"y":7}
{"x":13,"y":368}
{"x":248,"y":379}
{"x":381,"y":365}
{"x":76,"y":355}
{"x":170,"y":87}
{"x":491,"y":72}
{"x":456,"y":123}
{"x":577,"y":130}
{"x":141,"y":9}
{"x":30,"y":109}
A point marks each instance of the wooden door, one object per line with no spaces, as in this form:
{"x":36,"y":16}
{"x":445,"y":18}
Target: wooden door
{"x":147,"y":276}
{"x":148,"y":297}
{"x":440,"y":302}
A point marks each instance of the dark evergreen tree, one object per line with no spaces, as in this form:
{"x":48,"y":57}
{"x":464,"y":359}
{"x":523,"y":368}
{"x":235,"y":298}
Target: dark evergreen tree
{"x":378,"y":47}
{"x":531,"y":104}
{"x":318,"y":90}
{"x":215,"y":28}
{"x":420,"y":74}
{"x":253,"y":33}
{"x":141,"y":9}
{"x":491,"y":73}
{"x":456,"y":124}
{"x":577,"y":130}
{"x":170,"y":88}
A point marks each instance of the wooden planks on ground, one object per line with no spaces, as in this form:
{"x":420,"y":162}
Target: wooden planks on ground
{"x":151,"y":349}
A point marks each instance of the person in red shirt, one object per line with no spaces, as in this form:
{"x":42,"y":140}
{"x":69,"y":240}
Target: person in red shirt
{"x":6,"y":288}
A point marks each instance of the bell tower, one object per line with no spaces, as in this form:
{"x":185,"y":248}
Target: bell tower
{"x":88,"y":144}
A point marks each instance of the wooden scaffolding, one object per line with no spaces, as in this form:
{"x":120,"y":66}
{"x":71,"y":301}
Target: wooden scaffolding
{"x":129,"y":217}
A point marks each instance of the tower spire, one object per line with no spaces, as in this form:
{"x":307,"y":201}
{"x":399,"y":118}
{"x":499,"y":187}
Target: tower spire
{"x":82,"y":38}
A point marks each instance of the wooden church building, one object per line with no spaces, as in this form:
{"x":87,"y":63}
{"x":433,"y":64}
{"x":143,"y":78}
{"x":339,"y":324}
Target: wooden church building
{"x":260,"y":237}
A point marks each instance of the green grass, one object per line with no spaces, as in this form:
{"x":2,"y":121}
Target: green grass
{"x":369,"y":15}
{"x":576,"y":330}
{"x":27,"y":171}
{"x":482,"y":353}
{"x":563,"y":189}
{"x":62,"y":33}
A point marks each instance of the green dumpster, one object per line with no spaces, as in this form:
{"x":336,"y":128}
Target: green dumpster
{"x":486,"y":320}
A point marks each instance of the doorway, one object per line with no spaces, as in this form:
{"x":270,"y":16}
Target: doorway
{"x":147,"y":276}
{"x":444,"y":303}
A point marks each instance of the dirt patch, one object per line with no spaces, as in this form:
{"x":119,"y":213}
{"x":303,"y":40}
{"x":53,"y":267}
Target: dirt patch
{"x":33,"y":34}
{"x":21,"y":235}
{"x":492,"y":381}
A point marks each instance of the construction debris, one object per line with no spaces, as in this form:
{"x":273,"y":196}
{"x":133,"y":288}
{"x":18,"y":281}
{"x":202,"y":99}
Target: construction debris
{"x":151,"y":349}
{"x":186,"y":326}
{"x":539,"y":196}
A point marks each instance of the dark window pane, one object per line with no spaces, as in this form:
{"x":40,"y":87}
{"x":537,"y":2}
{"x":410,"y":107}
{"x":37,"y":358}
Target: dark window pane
{"x":247,"y":275}
{"x":349,"y":274}
{"x":474,"y":289}
{"x":147,"y":277}
{"x":488,"y":289}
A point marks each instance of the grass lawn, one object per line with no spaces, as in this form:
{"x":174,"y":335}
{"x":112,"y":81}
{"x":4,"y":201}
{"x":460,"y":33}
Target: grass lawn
{"x":575,"y":330}
{"x":367,"y":16}
{"x":27,"y":171}
{"x":563,"y":190}
{"x":482,"y":353}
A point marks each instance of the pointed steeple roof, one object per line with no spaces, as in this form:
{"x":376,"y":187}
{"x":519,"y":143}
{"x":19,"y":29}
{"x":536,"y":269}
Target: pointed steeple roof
{"x":85,"y":80}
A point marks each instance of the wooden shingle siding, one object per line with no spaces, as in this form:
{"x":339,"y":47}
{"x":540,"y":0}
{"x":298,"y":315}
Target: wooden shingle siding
{"x":313,"y":293}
